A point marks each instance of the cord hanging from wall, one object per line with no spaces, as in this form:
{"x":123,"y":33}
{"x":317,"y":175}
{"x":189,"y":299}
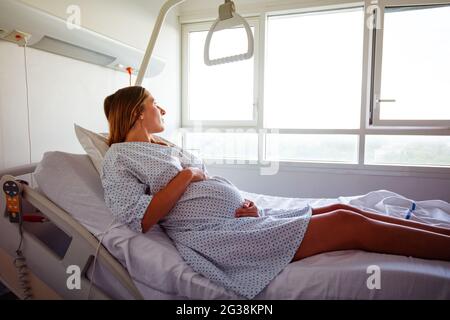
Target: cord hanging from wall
{"x":22,"y":39}
{"x":20,"y":262}
{"x":27,"y":94}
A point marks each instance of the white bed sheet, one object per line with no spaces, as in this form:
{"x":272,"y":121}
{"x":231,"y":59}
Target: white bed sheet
{"x":159,"y":272}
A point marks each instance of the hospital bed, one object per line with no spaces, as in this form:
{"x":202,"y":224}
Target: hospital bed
{"x":148,"y":266}
{"x":50,"y":248}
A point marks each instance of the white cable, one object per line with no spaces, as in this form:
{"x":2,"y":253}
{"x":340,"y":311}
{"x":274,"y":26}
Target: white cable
{"x":103,"y":234}
{"x":28,"y":106}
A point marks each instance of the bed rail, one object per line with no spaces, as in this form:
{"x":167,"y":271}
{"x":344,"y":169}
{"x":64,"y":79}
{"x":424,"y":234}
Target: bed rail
{"x":43,"y":262}
{"x":19,"y":171}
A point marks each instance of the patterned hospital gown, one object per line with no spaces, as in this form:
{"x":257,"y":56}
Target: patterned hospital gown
{"x":240,"y":254}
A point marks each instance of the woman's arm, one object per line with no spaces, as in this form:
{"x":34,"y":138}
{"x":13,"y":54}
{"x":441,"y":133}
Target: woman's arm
{"x":168,"y":197}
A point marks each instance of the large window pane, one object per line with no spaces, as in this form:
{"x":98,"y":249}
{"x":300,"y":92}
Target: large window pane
{"x":223,"y":92}
{"x":314,"y":70}
{"x":416,"y":64}
{"x":408,"y":150}
{"x":215,"y":145}
{"x":312,"y":148}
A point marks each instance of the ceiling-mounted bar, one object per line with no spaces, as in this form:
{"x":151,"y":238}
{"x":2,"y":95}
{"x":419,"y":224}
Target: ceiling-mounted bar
{"x":228,"y":18}
{"x":156,"y":30}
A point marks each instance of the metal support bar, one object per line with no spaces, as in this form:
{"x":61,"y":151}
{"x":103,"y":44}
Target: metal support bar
{"x":156,"y":30}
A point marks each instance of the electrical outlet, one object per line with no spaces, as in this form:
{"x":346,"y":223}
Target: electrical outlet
{"x":18,"y":37}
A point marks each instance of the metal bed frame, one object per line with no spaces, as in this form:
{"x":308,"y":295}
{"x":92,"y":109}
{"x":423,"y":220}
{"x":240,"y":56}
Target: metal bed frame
{"x":46,"y":273}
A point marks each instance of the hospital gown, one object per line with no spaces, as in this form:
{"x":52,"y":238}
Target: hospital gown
{"x":240,"y":254}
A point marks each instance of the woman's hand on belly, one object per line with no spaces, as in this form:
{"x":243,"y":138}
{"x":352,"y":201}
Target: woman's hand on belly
{"x":197,"y":174}
{"x":248,"y":210}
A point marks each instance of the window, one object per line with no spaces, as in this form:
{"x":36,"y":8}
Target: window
{"x":325,"y":89}
{"x":429,"y":151}
{"x":219,"y":146}
{"x":314,"y":70}
{"x":223,"y":94}
{"x":414,"y":66}
{"x":333,"y":148}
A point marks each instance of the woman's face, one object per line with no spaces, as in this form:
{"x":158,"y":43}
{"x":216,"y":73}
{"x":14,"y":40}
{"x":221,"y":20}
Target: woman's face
{"x":152,"y":116}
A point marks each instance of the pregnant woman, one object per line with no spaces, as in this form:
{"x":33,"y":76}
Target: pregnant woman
{"x":149,"y":181}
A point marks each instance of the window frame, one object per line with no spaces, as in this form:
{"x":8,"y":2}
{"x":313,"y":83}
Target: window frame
{"x":377,"y":66}
{"x":369,"y":75}
{"x":205,"y":26}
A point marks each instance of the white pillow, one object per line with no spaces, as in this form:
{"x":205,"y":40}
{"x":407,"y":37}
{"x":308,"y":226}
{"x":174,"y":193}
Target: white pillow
{"x":95,"y":145}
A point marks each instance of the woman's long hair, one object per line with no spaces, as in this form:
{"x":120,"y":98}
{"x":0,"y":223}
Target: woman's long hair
{"x":123,"y":109}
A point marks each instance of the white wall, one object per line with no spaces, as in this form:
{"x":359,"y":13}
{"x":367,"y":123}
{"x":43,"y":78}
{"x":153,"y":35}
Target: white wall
{"x":63,"y":91}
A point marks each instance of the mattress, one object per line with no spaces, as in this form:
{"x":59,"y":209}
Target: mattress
{"x":159,"y":272}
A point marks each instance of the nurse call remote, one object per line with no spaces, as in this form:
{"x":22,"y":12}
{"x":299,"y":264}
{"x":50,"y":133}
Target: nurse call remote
{"x":13,"y":191}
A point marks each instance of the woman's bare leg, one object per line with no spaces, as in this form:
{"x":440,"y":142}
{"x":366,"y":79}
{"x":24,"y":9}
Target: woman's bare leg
{"x":347,"y":230}
{"x":384,"y":218}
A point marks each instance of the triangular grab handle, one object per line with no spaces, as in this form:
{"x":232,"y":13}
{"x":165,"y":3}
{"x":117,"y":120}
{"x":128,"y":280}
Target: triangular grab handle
{"x":218,"y":25}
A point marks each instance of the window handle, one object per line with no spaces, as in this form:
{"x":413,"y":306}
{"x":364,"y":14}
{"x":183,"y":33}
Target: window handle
{"x":386,"y":100}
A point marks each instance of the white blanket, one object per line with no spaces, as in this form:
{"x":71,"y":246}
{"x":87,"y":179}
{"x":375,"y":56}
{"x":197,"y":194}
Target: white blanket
{"x":344,"y":275}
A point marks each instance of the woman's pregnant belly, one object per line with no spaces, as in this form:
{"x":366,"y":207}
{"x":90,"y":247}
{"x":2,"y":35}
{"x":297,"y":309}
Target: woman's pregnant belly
{"x":204,"y":201}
